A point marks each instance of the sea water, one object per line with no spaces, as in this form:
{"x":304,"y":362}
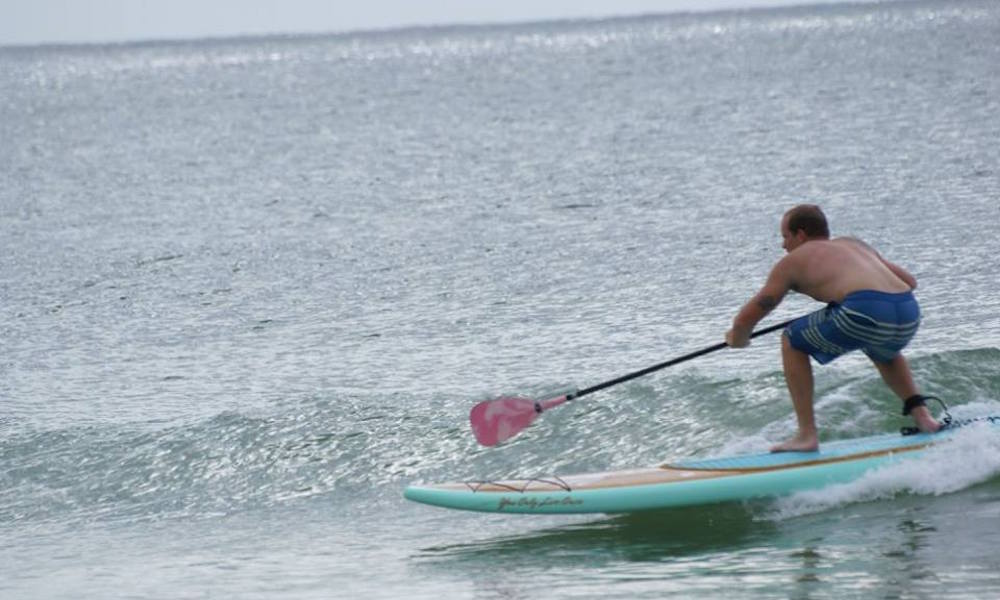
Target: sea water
{"x":250,"y":288}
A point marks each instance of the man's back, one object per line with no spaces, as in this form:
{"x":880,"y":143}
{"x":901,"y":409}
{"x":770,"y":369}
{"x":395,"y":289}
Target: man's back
{"x":828,"y":270}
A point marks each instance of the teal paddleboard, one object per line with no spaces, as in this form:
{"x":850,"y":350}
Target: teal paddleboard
{"x":688,"y":482}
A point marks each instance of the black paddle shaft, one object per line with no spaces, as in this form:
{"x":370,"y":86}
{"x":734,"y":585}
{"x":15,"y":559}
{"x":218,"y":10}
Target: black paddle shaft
{"x":669,"y":363}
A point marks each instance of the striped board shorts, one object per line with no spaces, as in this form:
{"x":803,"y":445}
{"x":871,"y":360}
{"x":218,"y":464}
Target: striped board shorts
{"x":880,"y":324}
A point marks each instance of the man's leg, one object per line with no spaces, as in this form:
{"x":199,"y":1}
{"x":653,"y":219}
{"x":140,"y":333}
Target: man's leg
{"x":799,"y":378}
{"x":897,"y":375}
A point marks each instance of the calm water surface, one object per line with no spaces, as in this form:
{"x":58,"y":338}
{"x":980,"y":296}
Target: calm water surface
{"x":250,"y":288}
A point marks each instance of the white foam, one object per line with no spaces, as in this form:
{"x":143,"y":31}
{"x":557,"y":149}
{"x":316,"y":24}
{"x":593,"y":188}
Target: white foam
{"x":971,"y":457}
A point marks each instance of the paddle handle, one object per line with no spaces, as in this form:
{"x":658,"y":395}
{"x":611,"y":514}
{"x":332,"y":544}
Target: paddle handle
{"x":671,"y":362}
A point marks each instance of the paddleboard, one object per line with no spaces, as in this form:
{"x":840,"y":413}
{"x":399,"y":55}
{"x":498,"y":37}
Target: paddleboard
{"x":688,"y":482}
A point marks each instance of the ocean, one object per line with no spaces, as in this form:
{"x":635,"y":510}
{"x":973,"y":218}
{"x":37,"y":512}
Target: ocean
{"x":250,"y":289}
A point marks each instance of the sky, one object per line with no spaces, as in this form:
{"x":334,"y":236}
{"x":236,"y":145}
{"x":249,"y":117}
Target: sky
{"x":29,"y":22}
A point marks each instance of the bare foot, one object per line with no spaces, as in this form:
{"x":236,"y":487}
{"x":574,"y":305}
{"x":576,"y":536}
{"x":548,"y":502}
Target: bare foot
{"x":925,"y":422}
{"x":799,"y":443}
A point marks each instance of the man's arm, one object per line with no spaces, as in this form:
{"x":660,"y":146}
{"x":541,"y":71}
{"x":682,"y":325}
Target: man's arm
{"x":777,"y":285}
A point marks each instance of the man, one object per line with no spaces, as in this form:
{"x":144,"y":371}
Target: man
{"x":870,"y":307}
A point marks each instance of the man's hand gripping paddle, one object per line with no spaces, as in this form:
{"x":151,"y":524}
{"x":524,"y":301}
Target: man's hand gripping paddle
{"x":494,"y":421}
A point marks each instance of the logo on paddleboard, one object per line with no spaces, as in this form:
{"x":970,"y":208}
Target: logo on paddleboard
{"x":537,"y":503}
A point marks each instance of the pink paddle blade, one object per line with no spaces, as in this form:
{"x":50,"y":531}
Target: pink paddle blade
{"x":494,"y":421}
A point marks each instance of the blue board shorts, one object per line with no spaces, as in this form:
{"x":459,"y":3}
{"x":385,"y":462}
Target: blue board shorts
{"x":878,"y":323}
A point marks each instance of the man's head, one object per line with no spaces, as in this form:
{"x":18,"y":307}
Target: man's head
{"x":803,"y":223}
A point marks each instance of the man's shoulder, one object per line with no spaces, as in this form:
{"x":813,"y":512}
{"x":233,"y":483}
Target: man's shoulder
{"x":815,"y":252}
{"x":847,"y":239}
{"x":817,"y":246}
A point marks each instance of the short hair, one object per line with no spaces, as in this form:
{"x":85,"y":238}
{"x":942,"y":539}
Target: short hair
{"x":810,"y":219}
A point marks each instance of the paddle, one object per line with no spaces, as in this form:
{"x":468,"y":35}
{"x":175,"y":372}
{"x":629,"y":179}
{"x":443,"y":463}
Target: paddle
{"x":494,"y":421}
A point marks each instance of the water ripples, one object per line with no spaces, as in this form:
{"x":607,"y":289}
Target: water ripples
{"x":267,"y":278}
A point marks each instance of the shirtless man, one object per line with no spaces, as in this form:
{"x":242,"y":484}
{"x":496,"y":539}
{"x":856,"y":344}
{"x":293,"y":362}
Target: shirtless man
{"x":870,"y":307}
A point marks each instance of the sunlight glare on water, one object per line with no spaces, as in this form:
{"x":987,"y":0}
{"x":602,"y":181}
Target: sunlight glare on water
{"x":251,"y":288}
